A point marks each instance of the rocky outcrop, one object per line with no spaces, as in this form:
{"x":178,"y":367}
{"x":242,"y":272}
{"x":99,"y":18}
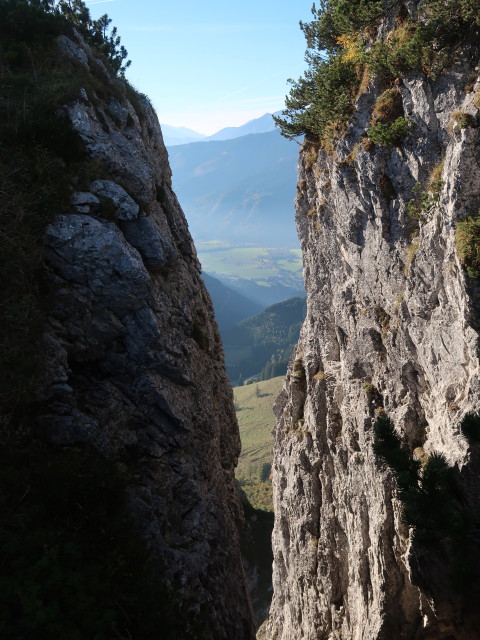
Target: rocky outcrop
{"x":391,"y":329}
{"x":133,"y":363}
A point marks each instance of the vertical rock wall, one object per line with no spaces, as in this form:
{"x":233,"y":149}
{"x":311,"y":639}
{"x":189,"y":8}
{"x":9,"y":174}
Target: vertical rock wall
{"x":133,"y":360}
{"x":391,"y":328}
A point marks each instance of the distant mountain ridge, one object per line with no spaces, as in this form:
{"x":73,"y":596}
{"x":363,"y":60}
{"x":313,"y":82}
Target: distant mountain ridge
{"x":230,"y":306}
{"x":264,"y":124}
{"x":261,"y":294}
{"x":174,"y":136}
{"x":179,"y":135}
{"x":239,"y":190}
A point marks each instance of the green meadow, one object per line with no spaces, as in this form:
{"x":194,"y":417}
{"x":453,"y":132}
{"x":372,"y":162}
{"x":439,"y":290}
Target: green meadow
{"x":251,"y":263}
{"x":256,"y":420}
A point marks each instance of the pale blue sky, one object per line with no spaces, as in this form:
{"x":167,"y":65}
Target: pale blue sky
{"x":211,"y":64}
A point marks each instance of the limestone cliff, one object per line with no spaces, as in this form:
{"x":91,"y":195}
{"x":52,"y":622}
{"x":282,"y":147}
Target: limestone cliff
{"x":133,"y":364}
{"x":391,"y":329}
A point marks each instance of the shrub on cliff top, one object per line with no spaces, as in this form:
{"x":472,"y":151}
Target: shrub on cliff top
{"x":340,"y":49}
{"x":320,"y":99}
{"x":326,"y":92}
{"x":28,"y":20}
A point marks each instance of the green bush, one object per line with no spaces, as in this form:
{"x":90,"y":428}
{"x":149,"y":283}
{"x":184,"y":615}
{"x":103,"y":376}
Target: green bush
{"x":265,"y":472}
{"x":428,"y":496}
{"x":340,"y":52}
{"x":389,"y":135}
{"x":432,"y":504}
{"x":467,"y":237}
{"x":388,"y":447}
{"x":427,"y":43}
{"x":421,"y":206}
{"x":334,"y":18}
{"x":326,"y":92}
{"x":470,"y":427}
{"x":319,"y":99}
{"x":429,"y":507}
{"x":457,"y":14}
{"x":463,"y":119}
{"x":33,"y":20}
{"x":388,"y":107}
{"x":404,"y":49}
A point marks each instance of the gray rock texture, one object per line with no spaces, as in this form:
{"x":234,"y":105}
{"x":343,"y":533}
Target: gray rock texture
{"x":125,"y":208}
{"x":391,"y":327}
{"x":78,"y":51}
{"x":145,"y":235}
{"x":133,"y":363}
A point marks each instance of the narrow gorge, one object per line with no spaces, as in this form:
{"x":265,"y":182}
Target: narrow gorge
{"x":122,"y":517}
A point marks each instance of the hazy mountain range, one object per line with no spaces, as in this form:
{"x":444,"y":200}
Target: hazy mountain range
{"x":238,"y":190}
{"x":238,"y":186}
{"x":230,"y":305}
{"x":182,"y":135}
{"x":262,"y":295}
{"x":179,"y":135}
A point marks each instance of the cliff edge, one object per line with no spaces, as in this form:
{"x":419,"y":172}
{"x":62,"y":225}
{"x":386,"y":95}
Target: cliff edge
{"x":131,"y":372}
{"x":376,"y":484}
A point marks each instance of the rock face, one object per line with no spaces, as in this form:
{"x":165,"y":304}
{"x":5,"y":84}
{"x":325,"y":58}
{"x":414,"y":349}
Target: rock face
{"x":391,"y":328}
{"x":133,"y":360}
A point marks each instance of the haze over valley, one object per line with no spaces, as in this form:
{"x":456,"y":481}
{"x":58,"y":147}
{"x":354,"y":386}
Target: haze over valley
{"x":237,"y":188}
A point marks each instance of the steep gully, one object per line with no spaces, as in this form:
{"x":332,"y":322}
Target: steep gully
{"x":131,"y":332}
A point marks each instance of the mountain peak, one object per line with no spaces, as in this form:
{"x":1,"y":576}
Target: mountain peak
{"x":179,"y":135}
{"x":263,"y":124}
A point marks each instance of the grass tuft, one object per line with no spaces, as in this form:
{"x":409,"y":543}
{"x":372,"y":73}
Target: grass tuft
{"x":467,"y":238}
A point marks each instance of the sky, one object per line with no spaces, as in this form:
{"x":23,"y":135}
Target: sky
{"x":211,"y":64}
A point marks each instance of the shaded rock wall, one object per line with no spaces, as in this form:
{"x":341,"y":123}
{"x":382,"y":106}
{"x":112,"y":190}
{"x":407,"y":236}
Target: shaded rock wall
{"x":133,"y":360}
{"x":392,"y":326}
